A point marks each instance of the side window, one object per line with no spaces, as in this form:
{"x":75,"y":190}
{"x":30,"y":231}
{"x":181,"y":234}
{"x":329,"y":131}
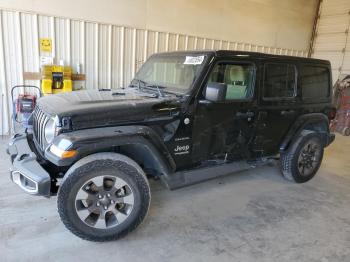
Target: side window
{"x":279,"y":81}
{"x":314,"y":81}
{"x":239,"y":79}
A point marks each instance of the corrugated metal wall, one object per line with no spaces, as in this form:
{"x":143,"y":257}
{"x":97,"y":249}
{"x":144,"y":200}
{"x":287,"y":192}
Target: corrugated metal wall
{"x":109,"y":54}
{"x":332,"y":40}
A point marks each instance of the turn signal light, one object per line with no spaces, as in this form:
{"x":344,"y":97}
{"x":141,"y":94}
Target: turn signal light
{"x":62,"y":153}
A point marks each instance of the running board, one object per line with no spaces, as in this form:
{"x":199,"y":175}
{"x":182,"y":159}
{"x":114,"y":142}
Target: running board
{"x":186,"y":178}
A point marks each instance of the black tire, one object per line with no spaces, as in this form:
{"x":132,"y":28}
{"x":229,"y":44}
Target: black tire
{"x":103,"y":165}
{"x":291,"y":163}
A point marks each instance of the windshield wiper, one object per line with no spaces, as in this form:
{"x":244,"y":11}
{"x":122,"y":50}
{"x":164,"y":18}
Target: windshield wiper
{"x":139,"y":82}
{"x":160,"y":93}
{"x":148,"y":86}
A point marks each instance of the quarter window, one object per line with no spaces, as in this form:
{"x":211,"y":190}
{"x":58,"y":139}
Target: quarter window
{"x":314,"y":81}
{"x":279,"y":81}
{"x":239,"y":79}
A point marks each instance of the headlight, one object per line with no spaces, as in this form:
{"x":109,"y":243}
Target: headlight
{"x":50,"y":130}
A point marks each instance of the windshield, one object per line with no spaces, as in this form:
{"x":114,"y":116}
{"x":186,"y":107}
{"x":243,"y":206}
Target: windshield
{"x":173,"y":73}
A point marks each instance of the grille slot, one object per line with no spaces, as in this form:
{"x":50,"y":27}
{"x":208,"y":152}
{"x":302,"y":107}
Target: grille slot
{"x":39,"y":121}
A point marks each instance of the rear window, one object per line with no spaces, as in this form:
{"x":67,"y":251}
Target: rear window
{"x":279,"y":81}
{"x":314,"y":82}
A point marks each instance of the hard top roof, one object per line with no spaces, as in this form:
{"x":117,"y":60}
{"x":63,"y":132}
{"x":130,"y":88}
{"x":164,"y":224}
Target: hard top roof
{"x":255,"y":55}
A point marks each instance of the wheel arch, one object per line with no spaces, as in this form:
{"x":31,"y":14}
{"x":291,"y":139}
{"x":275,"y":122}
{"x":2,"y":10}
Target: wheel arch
{"x":100,"y":156}
{"x":141,"y":144}
{"x":315,"y":122}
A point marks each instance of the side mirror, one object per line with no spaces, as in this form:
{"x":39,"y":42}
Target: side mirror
{"x":215,"y":92}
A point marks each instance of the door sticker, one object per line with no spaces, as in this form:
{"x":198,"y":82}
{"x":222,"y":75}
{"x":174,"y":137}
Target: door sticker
{"x":194,"y":60}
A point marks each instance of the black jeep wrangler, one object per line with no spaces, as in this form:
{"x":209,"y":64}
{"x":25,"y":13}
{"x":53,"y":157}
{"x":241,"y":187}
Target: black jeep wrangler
{"x":185,"y":117}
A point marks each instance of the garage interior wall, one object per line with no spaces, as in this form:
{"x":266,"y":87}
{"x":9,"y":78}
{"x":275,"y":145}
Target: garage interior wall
{"x":332,"y":40}
{"x":111,"y":49}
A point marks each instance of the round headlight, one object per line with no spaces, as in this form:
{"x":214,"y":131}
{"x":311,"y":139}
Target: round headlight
{"x":50,"y":130}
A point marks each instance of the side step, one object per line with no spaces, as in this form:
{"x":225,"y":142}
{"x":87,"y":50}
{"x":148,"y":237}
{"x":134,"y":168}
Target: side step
{"x":186,"y":178}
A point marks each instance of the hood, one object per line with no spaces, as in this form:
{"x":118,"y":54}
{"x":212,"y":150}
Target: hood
{"x":94,"y":108}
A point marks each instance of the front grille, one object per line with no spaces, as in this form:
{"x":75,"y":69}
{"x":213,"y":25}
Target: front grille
{"x":39,"y":121}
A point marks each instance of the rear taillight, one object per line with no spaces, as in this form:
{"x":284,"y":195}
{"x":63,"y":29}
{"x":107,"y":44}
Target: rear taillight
{"x":332,"y":113}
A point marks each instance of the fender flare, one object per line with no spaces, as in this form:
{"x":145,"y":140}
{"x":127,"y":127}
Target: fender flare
{"x":106,"y":139}
{"x":302,"y":123}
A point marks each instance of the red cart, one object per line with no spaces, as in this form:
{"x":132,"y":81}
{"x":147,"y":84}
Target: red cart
{"x":341,"y":123}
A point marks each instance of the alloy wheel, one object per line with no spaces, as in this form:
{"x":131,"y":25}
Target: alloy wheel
{"x":309,"y":158}
{"x":104,"y":202}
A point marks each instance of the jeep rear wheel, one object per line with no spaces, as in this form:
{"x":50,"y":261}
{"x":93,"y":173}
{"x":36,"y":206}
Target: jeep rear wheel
{"x":103,"y":197}
{"x":301,"y":162}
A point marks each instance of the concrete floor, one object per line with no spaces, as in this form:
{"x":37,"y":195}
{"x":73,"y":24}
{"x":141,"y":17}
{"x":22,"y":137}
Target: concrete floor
{"x":248,"y":216}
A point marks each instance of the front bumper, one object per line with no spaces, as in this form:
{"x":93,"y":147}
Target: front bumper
{"x":26,"y":172}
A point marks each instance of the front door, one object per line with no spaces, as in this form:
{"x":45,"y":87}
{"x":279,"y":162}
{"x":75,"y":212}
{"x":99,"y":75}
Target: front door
{"x":224,"y":130}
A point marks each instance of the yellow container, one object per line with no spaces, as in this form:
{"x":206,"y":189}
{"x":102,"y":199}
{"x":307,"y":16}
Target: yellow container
{"x":56,"y":79}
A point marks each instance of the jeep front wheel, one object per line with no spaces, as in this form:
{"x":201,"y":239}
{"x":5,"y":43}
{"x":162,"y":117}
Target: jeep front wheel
{"x":301,"y":162}
{"x":103,"y":197}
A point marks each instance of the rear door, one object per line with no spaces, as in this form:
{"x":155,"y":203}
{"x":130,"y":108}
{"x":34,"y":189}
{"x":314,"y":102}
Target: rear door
{"x":278,"y":105}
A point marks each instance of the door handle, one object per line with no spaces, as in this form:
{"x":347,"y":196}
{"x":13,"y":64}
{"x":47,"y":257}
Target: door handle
{"x":248,"y":114}
{"x":287,"y":112}
{"x":204,"y":102}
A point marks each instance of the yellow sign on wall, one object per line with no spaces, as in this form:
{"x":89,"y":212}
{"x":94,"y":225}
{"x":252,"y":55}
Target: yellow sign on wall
{"x":45,"y":45}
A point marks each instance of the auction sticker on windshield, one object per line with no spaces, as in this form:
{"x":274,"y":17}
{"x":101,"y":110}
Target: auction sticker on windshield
{"x":194,"y":60}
